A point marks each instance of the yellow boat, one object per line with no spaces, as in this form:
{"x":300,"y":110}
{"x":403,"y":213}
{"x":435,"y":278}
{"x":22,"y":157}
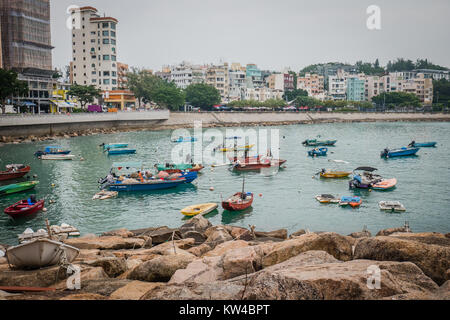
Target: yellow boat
{"x":334,"y":174}
{"x":197,"y":209}
{"x":244,"y":148}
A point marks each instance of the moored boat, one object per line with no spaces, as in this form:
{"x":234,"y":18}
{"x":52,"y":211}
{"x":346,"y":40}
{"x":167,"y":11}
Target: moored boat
{"x":351,"y":201}
{"x":239,"y":201}
{"x":104,"y":194}
{"x":176,"y":168}
{"x":318,"y":143}
{"x":199,"y":209}
{"x":400,"y":152}
{"x":327,"y":198}
{"x":255,"y":164}
{"x":329,"y":174}
{"x":365,"y":179}
{"x":25,"y":207}
{"x":234,"y":149}
{"x":184,"y":139}
{"x":17,"y":187}
{"x":318,"y":152}
{"x":148,"y":185}
{"x":385,"y":184}
{"x":393,"y":206}
{"x":40,"y":253}
{"x":422,"y":144}
{"x":119,"y":151}
{"x":14,"y":171}
{"x":55,"y":150}
{"x":114,"y":145}
{"x":57,"y":157}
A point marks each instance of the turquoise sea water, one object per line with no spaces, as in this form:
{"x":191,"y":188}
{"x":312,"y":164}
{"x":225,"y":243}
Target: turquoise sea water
{"x":287,"y":198}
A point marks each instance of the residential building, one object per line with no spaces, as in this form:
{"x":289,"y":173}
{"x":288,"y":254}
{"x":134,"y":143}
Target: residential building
{"x":122,"y":71}
{"x":276,"y":81}
{"x":217,"y":76}
{"x":337,"y":85}
{"x":434,"y":74}
{"x":94,"y":53}
{"x":237,"y":78}
{"x":263,"y":94}
{"x":313,"y":84}
{"x":356,"y":89}
{"x":119,"y":99}
{"x":254,"y":77}
{"x":421,"y":86}
{"x":164,"y":73}
{"x":26,"y":48}
{"x":181,"y":75}
{"x":60,"y":100}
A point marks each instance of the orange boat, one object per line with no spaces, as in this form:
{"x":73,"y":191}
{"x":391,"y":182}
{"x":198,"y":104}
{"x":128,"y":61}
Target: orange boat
{"x":385,"y":184}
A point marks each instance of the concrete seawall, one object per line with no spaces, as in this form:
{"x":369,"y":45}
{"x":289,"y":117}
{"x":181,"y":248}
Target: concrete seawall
{"x":50,"y":125}
{"x":15,"y":126}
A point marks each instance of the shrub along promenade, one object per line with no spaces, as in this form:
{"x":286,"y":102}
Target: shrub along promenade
{"x":31,"y":128}
{"x":202,"y":261}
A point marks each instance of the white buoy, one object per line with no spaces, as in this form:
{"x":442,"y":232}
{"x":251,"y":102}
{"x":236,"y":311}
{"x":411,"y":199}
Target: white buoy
{"x":211,"y":189}
{"x":45,"y":209}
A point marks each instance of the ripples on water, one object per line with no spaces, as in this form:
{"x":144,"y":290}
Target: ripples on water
{"x":287,"y":199}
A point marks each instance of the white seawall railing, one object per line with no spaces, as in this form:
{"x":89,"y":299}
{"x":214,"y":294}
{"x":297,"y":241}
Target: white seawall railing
{"x":44,"y":119}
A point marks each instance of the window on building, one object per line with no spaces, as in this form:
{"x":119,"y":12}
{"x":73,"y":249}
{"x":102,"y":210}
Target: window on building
{"x":114,"y":74}
{"x":113,"y":50}
{"x":114,"y":81}
{"x":113,"y":34}
{"x":93,"y":33}
{"x":113,"y":41}
{"x":106,"y":57}
{"x":92,"y":40}
{"x":94,"y":80}
{"x":113,"y":58}
{"x":105,"y":33}
{"x":93,"y":65}
{"x":113,"y":26}
{"x":106,"y":81}
{"x":106,"y":73}
{"x":105,"y":25}
{"x":106,"y":41}
{"x":94,"y":72}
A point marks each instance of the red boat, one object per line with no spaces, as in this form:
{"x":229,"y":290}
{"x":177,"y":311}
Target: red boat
{"x":238,"y":202}
{"x":14,"y":171}
{"x":23,"y":208}
{"x":256,"y":163}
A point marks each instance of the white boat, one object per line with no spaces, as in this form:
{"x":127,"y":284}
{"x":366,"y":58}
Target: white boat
{"x":40,"y":253}
{"x":103,"y":195}
{"x":394,"y":206}
{"x":328,"y":198}
{"x":57,"y":157}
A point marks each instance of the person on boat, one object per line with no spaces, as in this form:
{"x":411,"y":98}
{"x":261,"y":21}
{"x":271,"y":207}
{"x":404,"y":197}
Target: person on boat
{"x":32,"y":200}
{"x":412,"y":144}
{"x":141,"y":177}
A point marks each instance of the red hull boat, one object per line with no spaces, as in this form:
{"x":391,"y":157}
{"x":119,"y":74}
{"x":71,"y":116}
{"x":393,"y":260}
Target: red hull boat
{"x":14,"y":172}
{"x":22,"y":208}
{"x":237,"y":202}
{"x":251,"y":164}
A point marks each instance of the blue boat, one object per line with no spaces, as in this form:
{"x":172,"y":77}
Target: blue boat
{"x":120,"y":151}
{"x":151,"y":184}
{"x":184,"y":139}
{"x":318,"y":152}
{"x":401,"y":152}
{"x":114,"y":146}
{"x":189,"y":175}
{"x":52,"y":150}
{"x":422,"y":144}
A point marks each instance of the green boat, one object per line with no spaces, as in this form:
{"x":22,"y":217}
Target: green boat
{"x":174,"y":168}
{"x":17,"y":187}
{"x":318,"y":143}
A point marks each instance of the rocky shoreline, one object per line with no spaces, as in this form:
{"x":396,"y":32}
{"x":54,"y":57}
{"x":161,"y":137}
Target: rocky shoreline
{"x":199,"y":261}
{"x":221,"y":120}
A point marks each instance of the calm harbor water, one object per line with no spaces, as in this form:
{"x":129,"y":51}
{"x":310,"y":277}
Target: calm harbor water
{"x":287,"y":198}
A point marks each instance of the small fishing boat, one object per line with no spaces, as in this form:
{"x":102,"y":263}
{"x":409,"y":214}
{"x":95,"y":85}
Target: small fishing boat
{"x":148,"y":185}
{"x":318,"y":152}
{"x":400,"y":152}
{"x":184,"y":139}
{"x":234,"y":149}
{"x":393,"y":206}
{"x":17,"y":187}
{"x":366,"y":179}
{"x":327,"y":198}
{"x":40,"y":253}
{"x":104,"y":194}
{"x":199,"y":209}
{"x":57,"y":157}
{"x":255,"y":164}
{"x":14,"y":171}
{"x":55,"y":150}
{"x":114,"y":146}
{"x":422,"y":144}
{"x":239,"y":201}
{"x":351,"y":201}
{"x":385,"y":184}
{"x":25,"y":207}
{"x":318,"y":143}
{"x":120,"y":151}
{"x":176,"y":168}
{"x":329,"y":174}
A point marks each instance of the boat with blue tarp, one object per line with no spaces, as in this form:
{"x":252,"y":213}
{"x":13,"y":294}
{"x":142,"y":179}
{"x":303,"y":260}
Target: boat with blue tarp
{"x":58,"y":150}
{"x":318,"y":152}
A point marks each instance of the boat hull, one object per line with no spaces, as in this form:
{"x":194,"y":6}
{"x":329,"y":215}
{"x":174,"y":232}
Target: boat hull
{"x":235,"y":206}
{"x":385,"y":184}
{"x":7,"y":175}
{"x":258,"y":165}
{"x":163,"y":184}
{"x":40,"y":253}
{"x":425,"y":145}
{"x":316,"y":143}
{"x":62,"y":157}
{"x":400,"y":152}
{"x":22,"y":209}
{"x":121,"y":151}
{"x":335,"y":175}
{"x":318,"y":153}
{"x":199,"y":209}
{"x":17,"y":187}
{"x":117,"y":145}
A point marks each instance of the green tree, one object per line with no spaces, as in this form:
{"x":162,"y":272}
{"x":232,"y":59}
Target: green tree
{"x":10,"y":86}
{"x":393,"y":99}
{"x":168,"y":95}
{"x":441,"y":91}
{"x":202,"y":95}
{"x":84,"y":94}
{"x":294,"y":94}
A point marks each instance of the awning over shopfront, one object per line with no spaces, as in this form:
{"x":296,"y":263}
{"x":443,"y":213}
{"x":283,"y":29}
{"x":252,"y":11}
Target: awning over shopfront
{"x":26,"y":104}
{"x":64,"y":104}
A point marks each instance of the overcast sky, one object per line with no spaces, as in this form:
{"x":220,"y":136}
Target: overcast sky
{"x":271,"y":33}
